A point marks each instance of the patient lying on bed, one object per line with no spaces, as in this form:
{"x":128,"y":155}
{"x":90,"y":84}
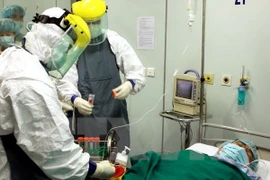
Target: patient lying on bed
{"x":241,"y":153}
{"x":235,"y":160}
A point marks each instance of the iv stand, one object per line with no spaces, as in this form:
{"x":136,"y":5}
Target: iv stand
{"x":202,"y":70}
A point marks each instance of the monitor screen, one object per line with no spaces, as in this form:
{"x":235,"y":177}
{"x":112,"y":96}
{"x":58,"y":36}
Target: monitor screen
{"x":183,"y":88}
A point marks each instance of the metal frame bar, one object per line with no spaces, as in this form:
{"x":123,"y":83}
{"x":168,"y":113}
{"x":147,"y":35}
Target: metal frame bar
{"x":202,"y":70}
{"x":165,"y":69}
{"x":214,"y":141}
{"x":236,"y":130}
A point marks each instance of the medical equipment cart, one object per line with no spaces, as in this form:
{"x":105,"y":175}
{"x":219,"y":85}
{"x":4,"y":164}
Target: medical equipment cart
{"x":183,"y":118}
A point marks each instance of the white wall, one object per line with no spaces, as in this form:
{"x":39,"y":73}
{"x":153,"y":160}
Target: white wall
{"x":64,"y":4}
{"x":183,"y":52}
{"x":235,"y":36}
{"x":122,"y":14}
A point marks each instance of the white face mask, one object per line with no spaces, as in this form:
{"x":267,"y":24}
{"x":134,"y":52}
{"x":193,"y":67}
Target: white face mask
{"x":6,"y":41}
{"x":20,"y":23}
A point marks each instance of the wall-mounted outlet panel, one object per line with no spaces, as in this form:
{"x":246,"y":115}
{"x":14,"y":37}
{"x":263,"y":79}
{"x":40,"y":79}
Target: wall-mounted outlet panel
{"x":209,"y":78}
{"x":226,"y":80}
{"x":150,"y":72}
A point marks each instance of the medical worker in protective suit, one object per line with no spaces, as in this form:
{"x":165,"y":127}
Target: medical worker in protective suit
{"x":17,"y":13}
{"x":35,"y":139}
{"x":8,"y":30}
{"x":98,"y":69}
{"x":66,"y":89}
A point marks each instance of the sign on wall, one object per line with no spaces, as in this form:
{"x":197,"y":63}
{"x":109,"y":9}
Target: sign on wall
{"x":146,"y":32}
{"x":240,"y":2}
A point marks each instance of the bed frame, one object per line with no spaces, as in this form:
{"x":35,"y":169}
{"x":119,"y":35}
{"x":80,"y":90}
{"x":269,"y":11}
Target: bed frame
{"x":216,"y":141}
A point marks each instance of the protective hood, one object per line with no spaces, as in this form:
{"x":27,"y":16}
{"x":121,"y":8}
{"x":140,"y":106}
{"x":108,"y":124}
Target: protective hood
{"x":57,"y":38}
{"x":41,"y":39}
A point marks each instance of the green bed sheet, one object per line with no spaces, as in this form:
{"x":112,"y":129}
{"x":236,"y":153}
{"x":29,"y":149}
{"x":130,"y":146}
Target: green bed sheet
{"x":186,"y":165}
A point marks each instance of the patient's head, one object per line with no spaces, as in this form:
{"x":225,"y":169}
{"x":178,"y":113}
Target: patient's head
{"x":242,"y":151}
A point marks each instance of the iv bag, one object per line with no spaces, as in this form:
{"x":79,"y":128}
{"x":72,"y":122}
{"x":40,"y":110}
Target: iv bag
{"x":192,"y":8}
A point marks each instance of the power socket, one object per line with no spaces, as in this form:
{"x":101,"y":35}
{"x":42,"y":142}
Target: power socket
{"x":209,"y":78}
{"x":150,"y":72}
{"x":226,"y":80}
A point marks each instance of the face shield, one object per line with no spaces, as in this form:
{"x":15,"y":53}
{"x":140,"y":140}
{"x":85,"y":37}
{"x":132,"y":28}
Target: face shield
{"x":69,"y":47}
{"x":98,"y":29}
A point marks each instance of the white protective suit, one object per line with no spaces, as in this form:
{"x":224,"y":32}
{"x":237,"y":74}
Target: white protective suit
{"x":127,"y":61}
{"x":67,"y":87}
{"x":30,"y":109}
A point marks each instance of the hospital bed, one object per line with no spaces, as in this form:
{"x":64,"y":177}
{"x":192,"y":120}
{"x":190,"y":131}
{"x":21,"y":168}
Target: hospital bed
{"x":209,"y":145}
{"x":263,"y":167}
{"x":152,"y":165}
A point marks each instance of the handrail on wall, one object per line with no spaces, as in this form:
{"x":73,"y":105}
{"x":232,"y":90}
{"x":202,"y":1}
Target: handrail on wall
{"x":214,"y":141}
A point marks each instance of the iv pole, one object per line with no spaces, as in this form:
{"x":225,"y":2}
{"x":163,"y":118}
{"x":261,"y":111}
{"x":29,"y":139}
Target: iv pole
{"x":202,"y":70}
{"x":165,"y":68}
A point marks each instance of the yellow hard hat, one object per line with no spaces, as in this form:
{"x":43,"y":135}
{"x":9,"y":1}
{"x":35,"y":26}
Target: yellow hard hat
{"x":89,"y":9}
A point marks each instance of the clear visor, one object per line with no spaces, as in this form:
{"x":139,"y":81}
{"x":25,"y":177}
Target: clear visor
{"x":64,"y":54}
{"x":28,"y":26}
{"x":98,"y":30}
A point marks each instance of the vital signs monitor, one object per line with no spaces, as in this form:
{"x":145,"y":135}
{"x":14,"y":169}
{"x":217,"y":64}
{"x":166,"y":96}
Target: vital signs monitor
{"x":186,"y":93}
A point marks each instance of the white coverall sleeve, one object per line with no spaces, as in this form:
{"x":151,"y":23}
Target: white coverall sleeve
{"x":4,"y":165}
{"x":67,"y":87}
{"x":42,"y":130}
{"x":127,"y":60}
